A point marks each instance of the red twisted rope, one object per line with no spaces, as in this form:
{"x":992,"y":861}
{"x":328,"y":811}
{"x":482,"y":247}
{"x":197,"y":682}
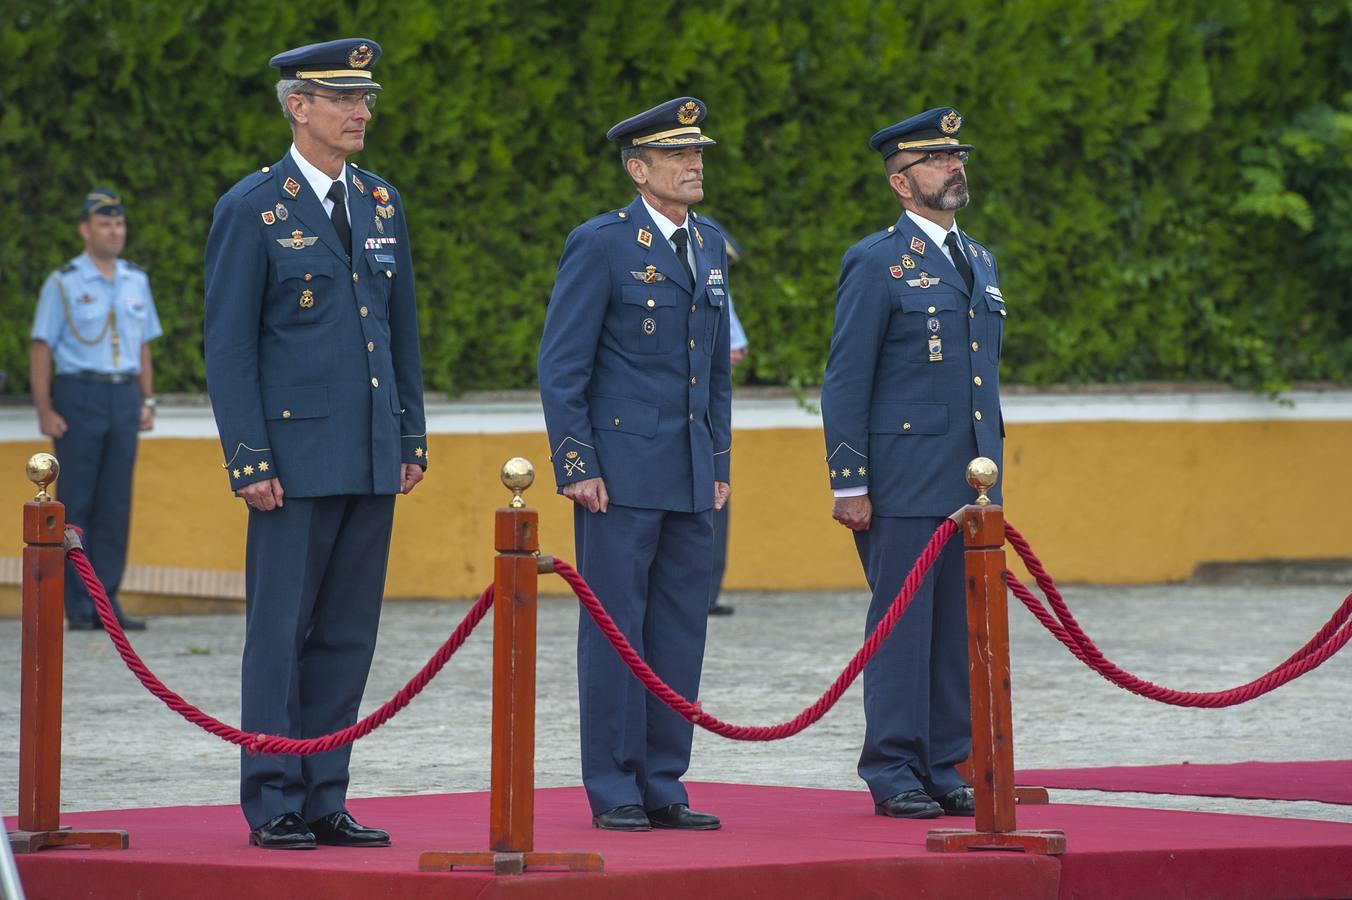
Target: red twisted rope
{"x":255,"y":742}
{"x":1330,"y":639}
{"x":691,"y":711}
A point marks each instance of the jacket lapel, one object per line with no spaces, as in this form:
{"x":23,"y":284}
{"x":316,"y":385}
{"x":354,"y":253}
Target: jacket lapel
{"x":305,"y":206}
{"x":658,"y":252}
{"x":931,"y":259}
{"x":703,"y":256}
{"x":361,"y":208}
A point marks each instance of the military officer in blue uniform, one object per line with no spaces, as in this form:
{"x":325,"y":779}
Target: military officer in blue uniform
{"x":94,"y":324}
{"x":635,"y":378}
{"x":911,"y":395}
{"x":316,"y":383}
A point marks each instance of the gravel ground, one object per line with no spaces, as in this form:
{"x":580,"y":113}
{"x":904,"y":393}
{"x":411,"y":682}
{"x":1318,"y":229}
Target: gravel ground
{"x":766,"y":662}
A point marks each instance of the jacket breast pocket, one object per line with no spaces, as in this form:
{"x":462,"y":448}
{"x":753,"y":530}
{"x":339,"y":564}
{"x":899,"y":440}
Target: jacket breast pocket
{"x":306,"y":290}
{"x":908,"y":418}
{"x":650,"y":318}
{"x":381,"y":269}
{"x":622,"y":414}
{"x":713,"y":319}
{"x":922,"y":315}
{"x":995,"y":327}
{"x":285,"y":403}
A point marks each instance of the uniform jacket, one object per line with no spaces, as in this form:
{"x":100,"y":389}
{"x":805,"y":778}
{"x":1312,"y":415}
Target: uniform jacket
{"x":312,"y":348}
{"x":633,"y":367}
{"x":73,"y":317}
{"x":902,"y":414}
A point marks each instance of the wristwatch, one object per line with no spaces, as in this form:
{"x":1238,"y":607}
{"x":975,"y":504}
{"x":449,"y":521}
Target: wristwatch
{"x":149,"y":401}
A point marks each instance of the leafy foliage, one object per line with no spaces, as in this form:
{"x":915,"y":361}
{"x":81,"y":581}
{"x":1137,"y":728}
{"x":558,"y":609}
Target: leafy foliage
{"x":1167,"y":186}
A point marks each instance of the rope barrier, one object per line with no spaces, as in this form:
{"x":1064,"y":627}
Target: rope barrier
{"x":693,"y":713}
{"x":256,"y":742}
{"x":1063,"y":625}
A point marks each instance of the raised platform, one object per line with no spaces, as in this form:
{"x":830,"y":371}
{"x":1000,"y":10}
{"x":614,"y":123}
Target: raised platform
{"x":789,"y":842}
{"x":1325,"y":780}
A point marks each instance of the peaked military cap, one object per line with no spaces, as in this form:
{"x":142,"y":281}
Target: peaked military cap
{"x":344,"y":65}
{"x":668,"y":125}
{"x":933,"y":129}
{"x":101,"y":201}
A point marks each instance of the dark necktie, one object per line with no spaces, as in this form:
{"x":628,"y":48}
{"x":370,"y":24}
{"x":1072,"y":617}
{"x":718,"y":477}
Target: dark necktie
{"x":681,"y":238}
{"x":959,"y":259}
{"x":339,"y":217}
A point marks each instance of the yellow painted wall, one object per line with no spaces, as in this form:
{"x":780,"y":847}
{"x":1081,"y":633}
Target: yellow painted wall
{"x":1101,"y":502}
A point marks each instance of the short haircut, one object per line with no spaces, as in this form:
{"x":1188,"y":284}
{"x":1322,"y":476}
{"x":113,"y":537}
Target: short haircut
{"x":639,"y":153}
{"x":285,"y":88}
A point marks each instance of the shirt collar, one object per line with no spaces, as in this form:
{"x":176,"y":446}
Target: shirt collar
{"x":84,"y":264}
{"x":664,"y":225}
{"x":317,"y":180}
{"x":933,"y":230}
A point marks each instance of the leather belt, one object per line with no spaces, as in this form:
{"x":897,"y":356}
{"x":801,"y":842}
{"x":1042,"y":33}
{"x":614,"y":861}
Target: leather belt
{"x":102,"y":377}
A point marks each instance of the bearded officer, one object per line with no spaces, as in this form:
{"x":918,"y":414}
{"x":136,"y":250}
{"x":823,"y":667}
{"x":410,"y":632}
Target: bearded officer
{"x":636,"y":383}
{"x":316,"y":383}
{"x":911,"y":395}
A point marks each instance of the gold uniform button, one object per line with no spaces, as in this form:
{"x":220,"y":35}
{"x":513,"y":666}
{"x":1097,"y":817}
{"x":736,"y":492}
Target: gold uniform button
{"x":617,"y":423}
{"x":286,"y":414}
{"x":371,"y":346}
{"x":971,"y":314}
{"x":891,"y":228}
{"x":975,"y":346}
{"x":977,"y":381}
{"x":266,"y":168}
{"x":692,"y":307}
{"x":978,"y":415}
{"x":1002,"y":312}
{"x":931,"y":309}
{"x":692,"y":381}
{"x":692,"y":345}
{"x":389,"y":274}
{"x":692,"y":417}
{"x":356,"y":277}
{"x":905,"y":426}
{"x":375,"y":382}
{"x":308,"y":276}
{"x":651,"y":303}
{"x":363,"y":312}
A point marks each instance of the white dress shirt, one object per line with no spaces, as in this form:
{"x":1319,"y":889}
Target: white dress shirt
{"x":320,"y":183}
{"x":668,"y":228}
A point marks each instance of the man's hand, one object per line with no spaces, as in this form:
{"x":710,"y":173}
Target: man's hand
{"x":262,"y":495}
{"x":51,"y":424}
{"x":736,"y":356}
{"x":409,"y":475}
{"x":722,"y":491}
{"x":855,"y":513}
{"x":589,"y":492}
{"x":147,"y":417}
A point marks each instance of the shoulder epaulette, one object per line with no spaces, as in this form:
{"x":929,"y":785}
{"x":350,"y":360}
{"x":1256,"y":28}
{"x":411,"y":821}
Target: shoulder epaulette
{"x":133,"y":265}
{"x":614,"y":217}
{"x":67,"y":268}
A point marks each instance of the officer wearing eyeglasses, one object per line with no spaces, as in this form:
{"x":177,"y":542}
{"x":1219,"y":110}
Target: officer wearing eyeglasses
{"x":911,"y":395}
{"x":316,"y":383}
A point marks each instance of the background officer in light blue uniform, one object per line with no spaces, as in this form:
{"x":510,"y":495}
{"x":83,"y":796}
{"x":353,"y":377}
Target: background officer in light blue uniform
{"x":636,"y":383}
{"x":94,"y":323}
{"x":316,"y":382}
{"x":911,"y":395}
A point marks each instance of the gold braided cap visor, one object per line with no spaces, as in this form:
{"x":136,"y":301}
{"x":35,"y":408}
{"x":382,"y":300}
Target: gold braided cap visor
{"x":675,"y":137}
{"x":326,"y":76}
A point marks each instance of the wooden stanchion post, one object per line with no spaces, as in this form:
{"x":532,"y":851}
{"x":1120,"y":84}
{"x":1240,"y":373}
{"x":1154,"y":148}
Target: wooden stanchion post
{"x":511,"y":823}
{"x":992,"y":759}
{"x":44,"y":569}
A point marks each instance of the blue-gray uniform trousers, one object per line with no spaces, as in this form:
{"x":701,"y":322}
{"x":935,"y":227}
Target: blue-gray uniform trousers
{"x":310,"y":630}
{"x":97,"y":454}
{"x":650,"y":570}
{"x":916,"y":700}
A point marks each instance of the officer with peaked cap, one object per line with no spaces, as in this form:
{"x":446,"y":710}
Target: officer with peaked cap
{"x":911,"y":395}
{"x":636,"y":383}
{"x":316,"y":383}
{"x":94,"y":323}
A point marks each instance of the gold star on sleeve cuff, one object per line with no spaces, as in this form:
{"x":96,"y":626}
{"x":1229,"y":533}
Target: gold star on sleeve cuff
{"x":248,"y":470}
{"x":263,"y":465}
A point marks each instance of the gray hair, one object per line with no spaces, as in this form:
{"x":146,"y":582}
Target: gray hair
{"x":285,"y":88}
{"x":639,"y":153}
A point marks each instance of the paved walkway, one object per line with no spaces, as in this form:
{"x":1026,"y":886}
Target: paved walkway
{"x":775,"y":656}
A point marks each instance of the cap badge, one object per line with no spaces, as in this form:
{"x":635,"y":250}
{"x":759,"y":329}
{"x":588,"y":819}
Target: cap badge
{"x":896,"y":271}
{"x":291,"y":186}
{"x":918,"y":245}
{"x":688,"y":113}
{"x":645,"y":237}
{"x":268,"y":217}
{"x":950,"y":123}
{"x":360,"y":58}
{"x":281,"y":212}
{"x":908,"y":261}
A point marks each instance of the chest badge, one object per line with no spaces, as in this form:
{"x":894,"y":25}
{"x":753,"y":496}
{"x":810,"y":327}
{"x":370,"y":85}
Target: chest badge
{"x":936,"y":349}
{"x":291,"y":186}
{"x":268,"y":217}
{"x":380,"y":226}
{"x":924,"y":281}
{"x":380,"y":193}
{"x":649,"y":326}
{"x":307,"y":299}
{"x":282,"y":214}
{"x":297,"y":241}
{"x":918,"y":245}
{"x":986,"y":258}
{"x":907,"y":261}
{"x":648,"y":275}
{"x":645,"y":237}
{"x":896,"y":271}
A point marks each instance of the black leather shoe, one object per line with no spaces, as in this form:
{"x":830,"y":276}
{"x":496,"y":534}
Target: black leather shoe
{"x":130,"y":624}
{"x":722,"y":609}
{"x":623,"y":818}
{"x":678,"y":815}
{"x":958,"y":802}
{"x":285,"y":832}
{"x":84,"y":625}
{"x":339,"y":829}
{"x":914,"y":804}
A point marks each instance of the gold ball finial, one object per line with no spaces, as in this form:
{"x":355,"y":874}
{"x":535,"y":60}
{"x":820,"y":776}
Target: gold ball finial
{"x":982,"y":473}
{"x":42,"y":470}
{"x":518,"y":474}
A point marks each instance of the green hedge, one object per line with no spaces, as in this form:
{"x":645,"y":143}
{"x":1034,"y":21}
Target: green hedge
{"x":1166,"y":184}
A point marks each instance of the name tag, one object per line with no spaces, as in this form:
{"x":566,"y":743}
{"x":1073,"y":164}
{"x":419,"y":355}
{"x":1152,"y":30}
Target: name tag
{"x":385,"y":258}
{"x":717,"y":292}
{"x":994,"y":291}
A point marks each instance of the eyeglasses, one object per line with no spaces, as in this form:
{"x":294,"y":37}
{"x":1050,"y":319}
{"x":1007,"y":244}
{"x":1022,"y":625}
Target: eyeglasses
{"x":346,"y":101}
{"x":943,"y":157}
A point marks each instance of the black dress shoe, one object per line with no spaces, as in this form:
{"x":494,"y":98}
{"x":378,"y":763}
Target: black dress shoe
{"x":914,"y":804}
{"x":339,"y":829}
{"x":678,"y":815}
{"x":285,"y":832}
{"x":722,"y":609}
{"x":84,"y":625}
{"x":622,"y":818}
{"x":958,"y":802}
{"x":130,"y":624}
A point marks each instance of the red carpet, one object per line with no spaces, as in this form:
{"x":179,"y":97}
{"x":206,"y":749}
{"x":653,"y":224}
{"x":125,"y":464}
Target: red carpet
{"x":776,"y":842}
{"x":1328,"y":781}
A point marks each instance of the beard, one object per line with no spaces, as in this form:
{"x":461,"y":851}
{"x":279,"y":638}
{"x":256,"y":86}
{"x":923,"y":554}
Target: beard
{"x":953,"y":195}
